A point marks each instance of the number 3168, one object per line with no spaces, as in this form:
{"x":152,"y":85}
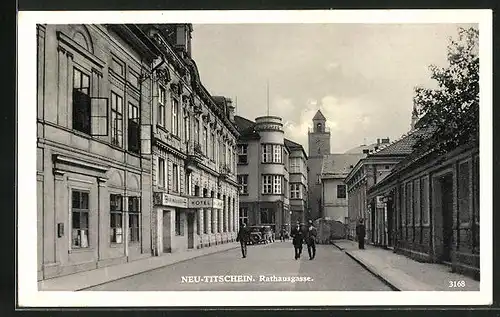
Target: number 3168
{"x":456,"y":284}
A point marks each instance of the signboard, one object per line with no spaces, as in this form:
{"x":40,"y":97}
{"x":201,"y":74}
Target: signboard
{"x":173,"y":200}
{"x":195,"y":202}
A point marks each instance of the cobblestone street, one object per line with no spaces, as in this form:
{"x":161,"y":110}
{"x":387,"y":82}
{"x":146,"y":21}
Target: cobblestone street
{"x":331,"y":270}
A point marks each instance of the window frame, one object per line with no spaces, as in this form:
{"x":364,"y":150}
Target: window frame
{"x":162,"y":97}
{"x":343,"y":191}
{"x":134,"y":213}
{"x":175,"y":178}
{"x":116,"y":127}
{"x":243,"y":215}
{"x":80,"y":211}
{"x":243,"y":182}
{"x":175,"y":117}
{"x":117,"y":223}
{"x":133,"y":119}
{"x":161,"y":180}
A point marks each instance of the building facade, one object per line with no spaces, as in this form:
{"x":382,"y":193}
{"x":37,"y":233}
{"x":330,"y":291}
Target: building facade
{"x":194,"y":151}
{"x":265,"y":174}
{"x":334,"y":170}
{"x":366,"y":173}
{"x":297,"y":168}
{"x":134,"y":157}
{"x":433,"y":206}
{"x":319,"y":146}
{"x":94,"y":168}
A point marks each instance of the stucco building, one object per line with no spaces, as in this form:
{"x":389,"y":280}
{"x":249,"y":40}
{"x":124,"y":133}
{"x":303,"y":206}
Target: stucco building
{"x":334,"y":195}
{"x":194,"y":151}
{"x":265,"y":175}
{"x":94,"y":167}
{"x":134,"y":157}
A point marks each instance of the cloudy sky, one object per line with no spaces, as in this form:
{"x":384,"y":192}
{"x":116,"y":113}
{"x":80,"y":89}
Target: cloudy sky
{"x":361,"y":76}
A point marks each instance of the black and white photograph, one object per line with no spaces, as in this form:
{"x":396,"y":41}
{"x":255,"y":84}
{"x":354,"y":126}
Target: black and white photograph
{"x":273,"y":158}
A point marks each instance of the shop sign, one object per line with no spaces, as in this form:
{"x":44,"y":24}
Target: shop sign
{"x":195,"y":202}
{"x":174,"y":201}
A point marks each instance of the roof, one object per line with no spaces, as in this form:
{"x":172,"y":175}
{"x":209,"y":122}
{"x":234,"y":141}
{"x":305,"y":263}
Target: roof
{"x":402,"y":146}
{"x":339,"y":164}
{"x":293,"y":145}
{"x":319,"y":116}
{"x":246,"y":128}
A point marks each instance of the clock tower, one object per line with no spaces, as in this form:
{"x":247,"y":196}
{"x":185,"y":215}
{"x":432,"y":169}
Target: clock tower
{"x":319,"y":137}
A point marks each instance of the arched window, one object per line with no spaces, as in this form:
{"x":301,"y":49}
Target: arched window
{"x":319,"y":127}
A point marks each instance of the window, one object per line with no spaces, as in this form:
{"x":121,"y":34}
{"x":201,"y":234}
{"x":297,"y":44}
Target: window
{"x":243,"y":154}
{"x":277,"y":184}
{"x":212,"y":151}
{"x":116,"y":218}
{"x":133,"y":79}
{"x":187,"y":134}
{"x":161,"y":106}
{"x":175,"y":177}
{"x":205,"y":140}
{"x":341,"y":191}
{"x":417,"y":210}
{"x":187,"y":177}
{"x":266,"y":216}
{"x":272,"y":184}
{"x":286,"y":190}
{"x":244,"y":215}
{"x":117,"y":67}
{"x":278,"y":151}
{"x":79,"y":219}
{"x":161,"y":172}
{"x":175,"y":119}
{"x":196,"y":131}
{"x":295,"y":190}
{"x":179,"y":225}
{"x":81,"y":101}
{"x":266,"y":153}
{"x":133,"y":129}
{"x":224,"y":153}
{"x":243,"y":181}
{"x":116,"y":119}
{"x":294,"y":165}
{"x":134,"y":212}
{"x":267,"y":184}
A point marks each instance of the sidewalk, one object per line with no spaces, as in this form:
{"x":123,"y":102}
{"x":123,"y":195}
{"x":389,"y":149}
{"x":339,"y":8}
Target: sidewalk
{"x":403,"y":273}
{"x":86,"y":279}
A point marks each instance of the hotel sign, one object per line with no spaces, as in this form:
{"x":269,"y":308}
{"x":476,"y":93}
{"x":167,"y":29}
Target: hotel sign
{"x":195,"y":202}
{"x":172,"y":200}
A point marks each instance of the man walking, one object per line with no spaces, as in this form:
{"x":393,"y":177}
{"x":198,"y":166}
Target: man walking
{"x":311,"y":240}
{"x":297,"y":239}
{"x":243,"y":237}
{"x":360,"y":233}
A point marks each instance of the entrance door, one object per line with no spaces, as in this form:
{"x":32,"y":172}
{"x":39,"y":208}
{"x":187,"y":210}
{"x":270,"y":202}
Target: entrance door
{"x":190,"y":224}
{"x":447,"y":214}
{"x":166,"y":231}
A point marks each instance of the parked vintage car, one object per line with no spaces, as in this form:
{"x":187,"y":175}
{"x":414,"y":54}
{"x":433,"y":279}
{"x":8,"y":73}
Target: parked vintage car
{"x":261,"y":234}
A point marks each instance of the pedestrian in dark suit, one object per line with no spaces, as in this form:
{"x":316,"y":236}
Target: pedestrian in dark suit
{"x":360,"y":233}
{"x":311,"y":240}
{"x":297,"y":239}
{"x":243,"y":237}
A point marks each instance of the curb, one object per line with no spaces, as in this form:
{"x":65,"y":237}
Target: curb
{"x":380,"y":277}
{"x":156,"y":268}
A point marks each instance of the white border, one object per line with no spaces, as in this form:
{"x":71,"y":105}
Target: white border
{"x":27,"y":238}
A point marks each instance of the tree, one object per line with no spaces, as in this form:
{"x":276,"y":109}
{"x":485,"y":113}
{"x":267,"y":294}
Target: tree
{"x":451,"y":112}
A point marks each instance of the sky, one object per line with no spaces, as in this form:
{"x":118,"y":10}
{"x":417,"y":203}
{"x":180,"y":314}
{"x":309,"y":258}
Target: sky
{"x":361,"y":76}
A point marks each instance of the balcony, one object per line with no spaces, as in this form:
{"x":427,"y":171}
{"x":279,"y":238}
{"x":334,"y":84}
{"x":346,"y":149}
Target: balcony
{"x":195,"y":154}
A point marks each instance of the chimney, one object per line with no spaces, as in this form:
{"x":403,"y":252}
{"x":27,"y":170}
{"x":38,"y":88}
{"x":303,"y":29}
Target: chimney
{"x":378,"y":141}
{"x":385,"y":141}
{"x":366,"y":151}
{"x":183,"y":38}
{"x":230,"y":109}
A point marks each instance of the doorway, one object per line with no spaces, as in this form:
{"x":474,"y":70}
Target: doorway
{"x":390,"y":224}
{"x":190,"y":224}
{"x":166,"y":231}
